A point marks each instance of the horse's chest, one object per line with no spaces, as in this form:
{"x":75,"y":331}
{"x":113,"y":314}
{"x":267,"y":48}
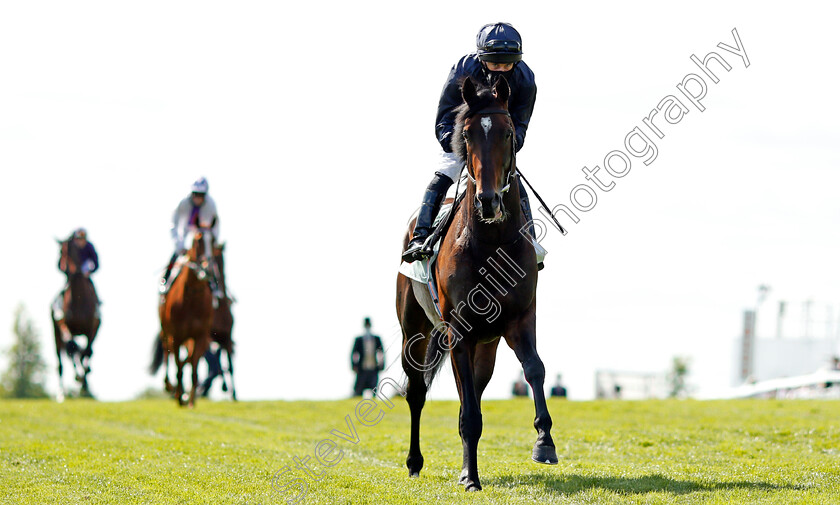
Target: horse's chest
{"x":483,"y":304}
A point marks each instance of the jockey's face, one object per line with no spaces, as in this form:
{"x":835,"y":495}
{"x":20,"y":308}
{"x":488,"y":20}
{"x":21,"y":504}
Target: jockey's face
{"x":198,"y":199}
{"x":498,"y":67}
{"x":80,"y":241}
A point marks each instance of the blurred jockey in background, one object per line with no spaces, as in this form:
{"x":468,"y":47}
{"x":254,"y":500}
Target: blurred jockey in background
{"x":88,"y":259}
{"x":88,"y":263}
{"x":198,"y":210}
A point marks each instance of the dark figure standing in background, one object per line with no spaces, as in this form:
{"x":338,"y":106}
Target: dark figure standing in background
{"x":520,"y":387}
{"x":558,"y":390}
{"x":367,"y":360}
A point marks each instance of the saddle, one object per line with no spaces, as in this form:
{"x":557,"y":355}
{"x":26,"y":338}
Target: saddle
{"x":421,"y":270}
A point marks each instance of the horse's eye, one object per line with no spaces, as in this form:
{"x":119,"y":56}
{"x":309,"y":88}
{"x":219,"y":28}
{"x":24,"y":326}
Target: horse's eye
{"x":466,"y":136}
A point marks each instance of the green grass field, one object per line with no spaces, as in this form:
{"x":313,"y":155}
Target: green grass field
{"x":610,"y":452}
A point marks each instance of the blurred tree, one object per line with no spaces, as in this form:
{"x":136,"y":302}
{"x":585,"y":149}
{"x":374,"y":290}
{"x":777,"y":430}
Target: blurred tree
{"x":677,"y":376}
{"x":24,"y":377}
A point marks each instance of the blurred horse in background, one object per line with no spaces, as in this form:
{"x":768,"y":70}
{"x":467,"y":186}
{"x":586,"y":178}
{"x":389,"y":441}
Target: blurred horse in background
{"x":75,"y":313}
{"x":186,"y":315}
{"x":221,"y":333}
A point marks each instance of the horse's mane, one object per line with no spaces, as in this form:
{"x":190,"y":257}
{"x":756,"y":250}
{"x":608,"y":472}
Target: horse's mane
{"x":484,"y":99}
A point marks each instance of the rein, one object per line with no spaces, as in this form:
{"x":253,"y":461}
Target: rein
{"x":515,"y":169}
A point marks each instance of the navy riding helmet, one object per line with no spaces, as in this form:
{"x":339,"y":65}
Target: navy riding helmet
{"x":499,"y":43}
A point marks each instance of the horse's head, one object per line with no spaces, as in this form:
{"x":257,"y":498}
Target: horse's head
{"x":69,"y":260}
{"x":197,"y":245}
{"x":484,"y":138}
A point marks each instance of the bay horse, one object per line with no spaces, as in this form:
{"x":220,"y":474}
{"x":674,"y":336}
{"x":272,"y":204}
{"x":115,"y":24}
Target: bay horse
{"x":221,"y":331}
{"x":486,"y":274}
{"x":75,"y":313}
{"x":186,"y":315}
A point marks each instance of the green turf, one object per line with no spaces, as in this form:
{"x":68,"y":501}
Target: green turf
{"x":150,"y":451}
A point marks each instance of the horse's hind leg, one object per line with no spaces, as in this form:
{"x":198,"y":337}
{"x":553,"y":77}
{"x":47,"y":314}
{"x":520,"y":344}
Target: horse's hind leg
{"x":230,"y":372}
{"x":416,"y":398}
{"x":417,"y":330}
{"x":522,"y":339}
{"x":59,"y":344}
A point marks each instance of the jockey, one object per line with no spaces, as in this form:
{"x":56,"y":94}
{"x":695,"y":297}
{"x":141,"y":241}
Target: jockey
{"x":498,"y":53}
{"x":88,"y":259}
{"x":88,"y":264}
{"x":196,"y":210}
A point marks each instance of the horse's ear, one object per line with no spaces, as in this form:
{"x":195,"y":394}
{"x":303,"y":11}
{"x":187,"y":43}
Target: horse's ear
{"x":502,"y":89}
{"x":468,"y":90}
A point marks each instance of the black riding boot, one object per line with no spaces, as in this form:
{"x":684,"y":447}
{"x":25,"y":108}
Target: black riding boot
{"x":168,"y":272}
{"x":526,"y":210}
{"x":428,"y":210}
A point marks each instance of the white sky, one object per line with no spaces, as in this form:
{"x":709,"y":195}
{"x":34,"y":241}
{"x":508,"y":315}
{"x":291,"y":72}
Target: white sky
{"x":314,"y":121}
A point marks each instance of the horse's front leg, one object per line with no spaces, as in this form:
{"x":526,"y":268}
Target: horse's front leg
{"x":179,"y":376}
{"x":166,"y":384}
{"x":85,"y":357}
{"x":194,"y":359}
{"x":521,"y":337}
{"x":470,"y":423}
{"x":88,"y":352}
{"x":199,"y":348}
{"x":59,"y":345}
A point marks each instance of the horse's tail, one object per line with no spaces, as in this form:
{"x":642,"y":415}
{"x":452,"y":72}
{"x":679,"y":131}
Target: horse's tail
{"x":157,"y":356}
{"x":435,"y":357}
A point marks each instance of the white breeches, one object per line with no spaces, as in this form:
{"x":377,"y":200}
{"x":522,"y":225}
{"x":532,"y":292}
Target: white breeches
{"x":449,"y":165}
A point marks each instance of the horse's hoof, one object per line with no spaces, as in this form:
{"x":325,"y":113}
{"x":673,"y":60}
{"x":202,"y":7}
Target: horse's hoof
{"x":472,"y":486}
{"x":414,"y":464}
{"x":544,"y":454}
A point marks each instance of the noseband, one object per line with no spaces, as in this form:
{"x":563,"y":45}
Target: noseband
{"x":485,"y":112}
{"x":201,"y":269}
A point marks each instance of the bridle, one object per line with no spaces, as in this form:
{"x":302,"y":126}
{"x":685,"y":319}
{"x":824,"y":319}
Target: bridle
{"x":202,"y":266}
{"x":512,"y":171}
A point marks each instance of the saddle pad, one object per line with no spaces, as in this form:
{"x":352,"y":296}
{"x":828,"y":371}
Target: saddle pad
{"x":420,"y":270}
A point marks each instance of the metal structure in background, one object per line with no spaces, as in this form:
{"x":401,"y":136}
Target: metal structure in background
{"x":747,"y":346}
{"x":794,"y":352}
{"x":623,"y":385}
